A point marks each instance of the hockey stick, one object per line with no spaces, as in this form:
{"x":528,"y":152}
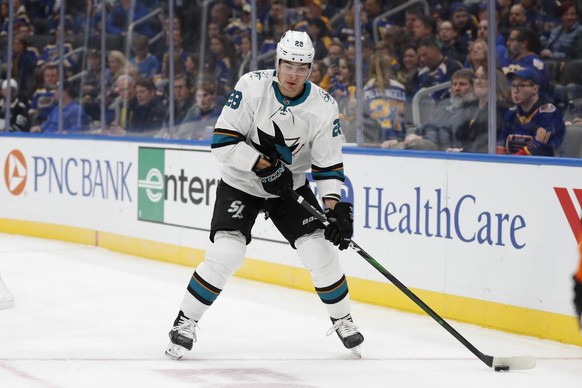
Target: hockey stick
{"x":498,"y":363}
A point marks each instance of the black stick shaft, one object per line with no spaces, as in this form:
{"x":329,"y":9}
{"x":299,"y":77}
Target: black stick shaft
{"x":488,"y":360}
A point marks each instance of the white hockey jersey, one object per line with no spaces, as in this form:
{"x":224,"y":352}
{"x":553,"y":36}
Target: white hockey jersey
{"x":309,"y":124}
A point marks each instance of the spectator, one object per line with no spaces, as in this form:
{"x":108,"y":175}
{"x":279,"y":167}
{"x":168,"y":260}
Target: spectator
{"x":451,"y":46}
{"x":473,"y":135}
{"x":22,"y":66}
{"x":92,"y":77}
{"x":19,"y":121}
{"x":523,"y":45}
{"x":407,"y":73}
{"x":242,"y":25}
{"x":183,"y":97}
{"x":118,"y":19}
{"x":478,"y":53}
{"x":40,"y":13}
{"x":20,"y":17}
{"x":464,"y":23}
{"x":220,"y":63}
{"x":561,"y":43}
{"x":180,"y":56}
{"x":317,"y":72}
{"x":191,"y":67}
{"x":313,"y":10}
{"x":201,"y":117}
{"x":220,"y":14}
{"x":149,"y":113}
{"x":319,"y":34}
{"x":410,"y":17}
{"x":117,"y":65}
{"x":51,"y":53}
{"x":532,"y":126}
{"x":517,"y":17}
{"x":162,"y":81}
{"x":74,"y":118}
{"x":278,"y":14}
{"x":244,"y":56}
{"x":124,"y":105}
{"x":161,"y":46}
{"x":483,"y":34}
{"x":442,"y":127}
{"x":343,"y":27}
{"x":147,"y":63}
{"x":373,"y":9}
{"x":88,"y":21}
{"x":43,"y":100}
{"x":341,"y":85}
{"x":384,"y":100}
{"x":91,"y":92}
{"x":436,"y":68}
{"x":395,"y":41}
{"x":423,"y":29}
{"x":533,"y":16}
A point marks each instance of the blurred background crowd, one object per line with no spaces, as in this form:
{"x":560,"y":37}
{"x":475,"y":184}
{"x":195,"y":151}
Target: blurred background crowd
{"x":164,"y":69}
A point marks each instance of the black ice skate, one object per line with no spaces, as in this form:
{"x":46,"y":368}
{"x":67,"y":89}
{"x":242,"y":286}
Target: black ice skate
{"x":182,"y":336}
{"x":348,"y":333}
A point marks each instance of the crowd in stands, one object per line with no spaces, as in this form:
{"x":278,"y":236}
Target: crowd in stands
{"x":402,"y":54}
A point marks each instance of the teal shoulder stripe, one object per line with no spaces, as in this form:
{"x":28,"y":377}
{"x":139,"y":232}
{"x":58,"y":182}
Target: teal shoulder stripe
{"x":220,"y":139}
{"x":335,"y":174}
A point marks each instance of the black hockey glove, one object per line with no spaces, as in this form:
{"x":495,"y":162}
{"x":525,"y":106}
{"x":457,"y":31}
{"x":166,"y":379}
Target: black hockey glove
{"x":341,"y":225}
{"x":277,"y":179}
{"x":578,"y":300}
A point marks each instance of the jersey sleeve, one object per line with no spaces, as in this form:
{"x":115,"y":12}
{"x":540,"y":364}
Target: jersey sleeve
{"x":232,"y":129}
{"x":327,"y":168}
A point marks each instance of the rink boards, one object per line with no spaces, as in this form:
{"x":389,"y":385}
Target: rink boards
{"x":483,"y":239}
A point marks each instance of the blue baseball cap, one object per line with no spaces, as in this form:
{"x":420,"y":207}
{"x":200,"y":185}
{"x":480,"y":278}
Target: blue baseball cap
{"x":526,"y":74}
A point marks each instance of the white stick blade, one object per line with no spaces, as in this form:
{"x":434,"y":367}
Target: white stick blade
{"x":516,"y":362}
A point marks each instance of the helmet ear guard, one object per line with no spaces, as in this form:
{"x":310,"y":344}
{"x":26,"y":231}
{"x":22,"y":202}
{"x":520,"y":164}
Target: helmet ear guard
{"x":295,"y":46}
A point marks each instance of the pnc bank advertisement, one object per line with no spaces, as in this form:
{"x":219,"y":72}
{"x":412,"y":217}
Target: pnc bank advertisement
{"x":500,"y":232}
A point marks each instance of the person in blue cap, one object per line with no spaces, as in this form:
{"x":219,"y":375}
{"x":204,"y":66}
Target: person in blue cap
{"x":533,"y":126}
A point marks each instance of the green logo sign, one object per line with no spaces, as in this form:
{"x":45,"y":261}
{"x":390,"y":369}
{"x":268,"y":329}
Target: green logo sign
{"x":151,"y":193}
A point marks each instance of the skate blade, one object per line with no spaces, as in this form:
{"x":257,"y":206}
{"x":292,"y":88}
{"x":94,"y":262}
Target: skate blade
{"x":175,"y":352}
{"x":357,"y":350}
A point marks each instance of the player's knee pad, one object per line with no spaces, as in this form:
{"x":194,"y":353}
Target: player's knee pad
{"x":319,"y":257}
{"x":223,"y":257}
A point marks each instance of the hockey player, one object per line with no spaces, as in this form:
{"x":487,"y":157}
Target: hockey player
{"x":274,"y":126}
{"x":533,"y":126}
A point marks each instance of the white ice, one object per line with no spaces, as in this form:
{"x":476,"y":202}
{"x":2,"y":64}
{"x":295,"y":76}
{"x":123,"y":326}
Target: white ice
{"x":87,"y":317}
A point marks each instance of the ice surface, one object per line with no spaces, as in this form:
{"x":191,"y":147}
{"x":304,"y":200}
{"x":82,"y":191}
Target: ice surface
{"x":87,"y":317}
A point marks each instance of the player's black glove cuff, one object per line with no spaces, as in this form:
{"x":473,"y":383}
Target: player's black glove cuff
{"x":578,"y":299}
{"x":341,"y":225}
{"x":276,"y":179}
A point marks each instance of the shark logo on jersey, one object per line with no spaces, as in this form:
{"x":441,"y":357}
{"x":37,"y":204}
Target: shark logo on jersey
{"x":269,"y":145}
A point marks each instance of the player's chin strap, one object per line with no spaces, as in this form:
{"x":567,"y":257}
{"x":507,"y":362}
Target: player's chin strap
{"x":499,"y":363}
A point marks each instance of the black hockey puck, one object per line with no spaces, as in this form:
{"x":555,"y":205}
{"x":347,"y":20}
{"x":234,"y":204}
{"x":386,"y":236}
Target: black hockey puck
{"x":502,"y":368}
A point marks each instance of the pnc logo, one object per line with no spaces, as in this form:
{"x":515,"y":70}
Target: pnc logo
{"x":569,"y":209}
{"x":15,"y":172}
